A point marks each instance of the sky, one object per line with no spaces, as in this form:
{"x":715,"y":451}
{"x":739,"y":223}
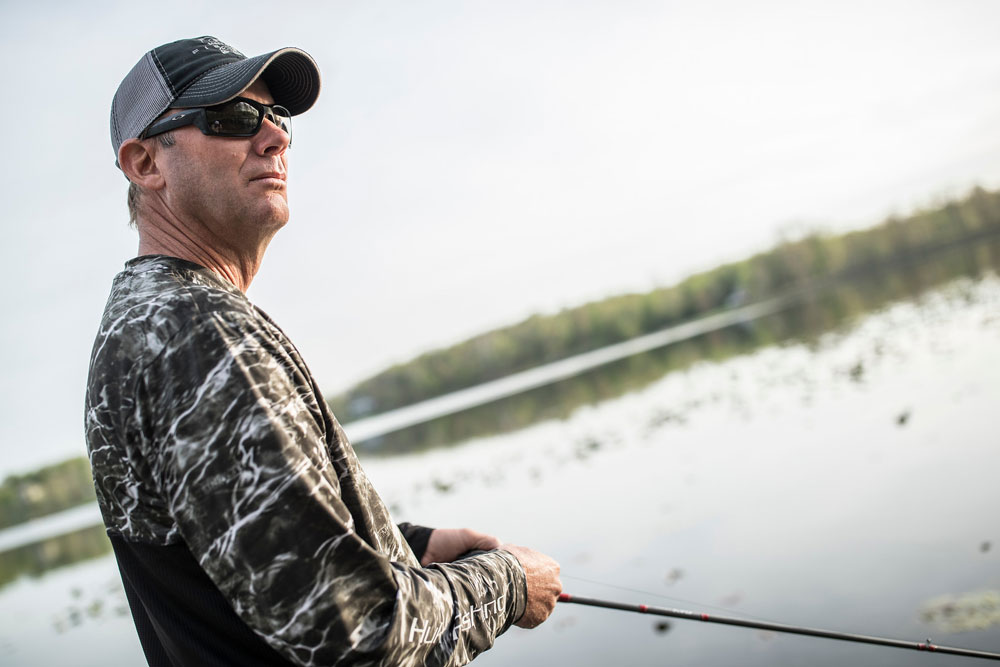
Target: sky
{"x":469,"y":163}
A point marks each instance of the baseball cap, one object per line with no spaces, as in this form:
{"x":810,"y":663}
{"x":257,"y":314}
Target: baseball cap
{"x":203,"y":71}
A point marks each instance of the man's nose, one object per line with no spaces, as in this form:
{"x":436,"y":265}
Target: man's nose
{"x":271,"y":139}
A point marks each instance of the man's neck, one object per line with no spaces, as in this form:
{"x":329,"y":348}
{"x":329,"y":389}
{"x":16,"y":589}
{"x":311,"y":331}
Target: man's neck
{"x":238,"y":266}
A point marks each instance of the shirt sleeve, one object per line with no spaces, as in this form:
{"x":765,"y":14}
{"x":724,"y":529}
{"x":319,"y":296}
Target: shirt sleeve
{"x":417,"y":537}
{"x":238,"y":448}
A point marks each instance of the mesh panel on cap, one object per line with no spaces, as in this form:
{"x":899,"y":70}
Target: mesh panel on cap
{"x":142,"y":96}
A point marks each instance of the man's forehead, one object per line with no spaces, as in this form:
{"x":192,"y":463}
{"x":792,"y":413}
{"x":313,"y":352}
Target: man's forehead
{"x":258,"y":91}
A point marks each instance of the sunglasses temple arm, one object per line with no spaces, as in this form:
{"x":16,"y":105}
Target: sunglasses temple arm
{"x":173,"y":122}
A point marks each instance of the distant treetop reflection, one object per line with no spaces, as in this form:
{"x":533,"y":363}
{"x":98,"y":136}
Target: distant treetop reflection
{"x":790,"y":267}
{"x":835,"y":306}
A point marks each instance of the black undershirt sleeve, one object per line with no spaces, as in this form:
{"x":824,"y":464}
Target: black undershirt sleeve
{"x":417,"y":537}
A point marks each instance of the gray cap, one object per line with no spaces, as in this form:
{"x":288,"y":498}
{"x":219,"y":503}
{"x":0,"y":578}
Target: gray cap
{"x":204,"y":71}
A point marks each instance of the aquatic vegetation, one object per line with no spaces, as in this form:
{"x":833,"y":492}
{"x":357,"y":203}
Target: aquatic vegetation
{"x":975,"y":610}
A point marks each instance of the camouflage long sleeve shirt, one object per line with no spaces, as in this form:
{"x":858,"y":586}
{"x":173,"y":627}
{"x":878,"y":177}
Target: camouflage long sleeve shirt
{"x":218,"y":465}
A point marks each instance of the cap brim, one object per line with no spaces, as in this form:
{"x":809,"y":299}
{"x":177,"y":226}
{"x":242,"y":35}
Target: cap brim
{"x":291,"y":75}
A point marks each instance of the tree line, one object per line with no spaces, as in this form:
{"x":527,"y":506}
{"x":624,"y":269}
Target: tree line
{"x":46,"y":490}
{"x":788,"y":266}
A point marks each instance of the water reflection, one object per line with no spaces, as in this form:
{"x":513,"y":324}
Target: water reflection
{"x":34,"y":560}
{"x":825,"y":310}
{"x":87,"y":601}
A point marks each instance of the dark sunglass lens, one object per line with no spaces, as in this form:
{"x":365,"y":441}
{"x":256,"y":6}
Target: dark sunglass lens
{"x":281,"y":117}
{"x":238,"y":118}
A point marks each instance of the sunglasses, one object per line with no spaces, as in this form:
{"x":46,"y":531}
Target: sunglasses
{"x":239,"y":117}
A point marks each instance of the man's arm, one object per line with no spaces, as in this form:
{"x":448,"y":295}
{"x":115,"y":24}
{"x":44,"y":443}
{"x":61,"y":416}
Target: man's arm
{"x":241,"y":461}
{"x":541,"y":571}
{"x":444,"y":545}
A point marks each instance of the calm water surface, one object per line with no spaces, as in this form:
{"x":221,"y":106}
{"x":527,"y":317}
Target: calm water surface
{"x":847,"y":482}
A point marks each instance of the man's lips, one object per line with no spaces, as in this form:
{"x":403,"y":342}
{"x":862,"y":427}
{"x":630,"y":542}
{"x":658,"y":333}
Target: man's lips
{"x":269,"y":176}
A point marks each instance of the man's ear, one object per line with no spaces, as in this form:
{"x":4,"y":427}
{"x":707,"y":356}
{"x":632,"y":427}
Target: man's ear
{"x":138,"y":162}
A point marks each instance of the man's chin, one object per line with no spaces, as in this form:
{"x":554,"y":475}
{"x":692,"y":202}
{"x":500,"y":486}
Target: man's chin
{"x":276,"y":214}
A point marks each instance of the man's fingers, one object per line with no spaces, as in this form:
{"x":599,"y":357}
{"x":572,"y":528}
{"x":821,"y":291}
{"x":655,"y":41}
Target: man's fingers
{"x":485,"y":542}
{"x":542,"y":577}
{"x":447,"y":544}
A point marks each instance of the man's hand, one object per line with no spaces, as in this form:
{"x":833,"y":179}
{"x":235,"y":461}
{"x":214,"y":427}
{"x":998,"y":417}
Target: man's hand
{"x":447,"y":544}
{"x":544,"y":586}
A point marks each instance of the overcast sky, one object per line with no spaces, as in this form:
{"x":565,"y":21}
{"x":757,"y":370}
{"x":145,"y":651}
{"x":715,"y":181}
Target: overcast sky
{"x":469,"y":163}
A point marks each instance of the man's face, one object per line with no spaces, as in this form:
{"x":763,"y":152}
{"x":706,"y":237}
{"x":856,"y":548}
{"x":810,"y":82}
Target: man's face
{"x":233,"y":187}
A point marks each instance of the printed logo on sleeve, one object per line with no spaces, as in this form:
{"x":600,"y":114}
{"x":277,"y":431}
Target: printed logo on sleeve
{"x":425,"y":634}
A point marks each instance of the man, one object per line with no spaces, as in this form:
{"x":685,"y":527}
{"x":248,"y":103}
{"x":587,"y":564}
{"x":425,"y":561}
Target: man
{"x":245,"y":530}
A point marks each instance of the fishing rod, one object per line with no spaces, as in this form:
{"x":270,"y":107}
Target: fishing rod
{"x":777,"y":627}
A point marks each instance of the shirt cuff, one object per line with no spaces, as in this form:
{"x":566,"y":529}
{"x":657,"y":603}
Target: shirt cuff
{"x":417,"y":537}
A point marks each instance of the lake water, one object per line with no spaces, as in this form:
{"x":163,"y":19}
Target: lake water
{"x":834,"y":466}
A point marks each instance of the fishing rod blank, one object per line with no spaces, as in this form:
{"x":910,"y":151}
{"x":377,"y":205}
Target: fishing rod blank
{"x":778,"y":627}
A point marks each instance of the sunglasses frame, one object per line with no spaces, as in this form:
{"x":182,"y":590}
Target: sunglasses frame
{"x":196,"y":116}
